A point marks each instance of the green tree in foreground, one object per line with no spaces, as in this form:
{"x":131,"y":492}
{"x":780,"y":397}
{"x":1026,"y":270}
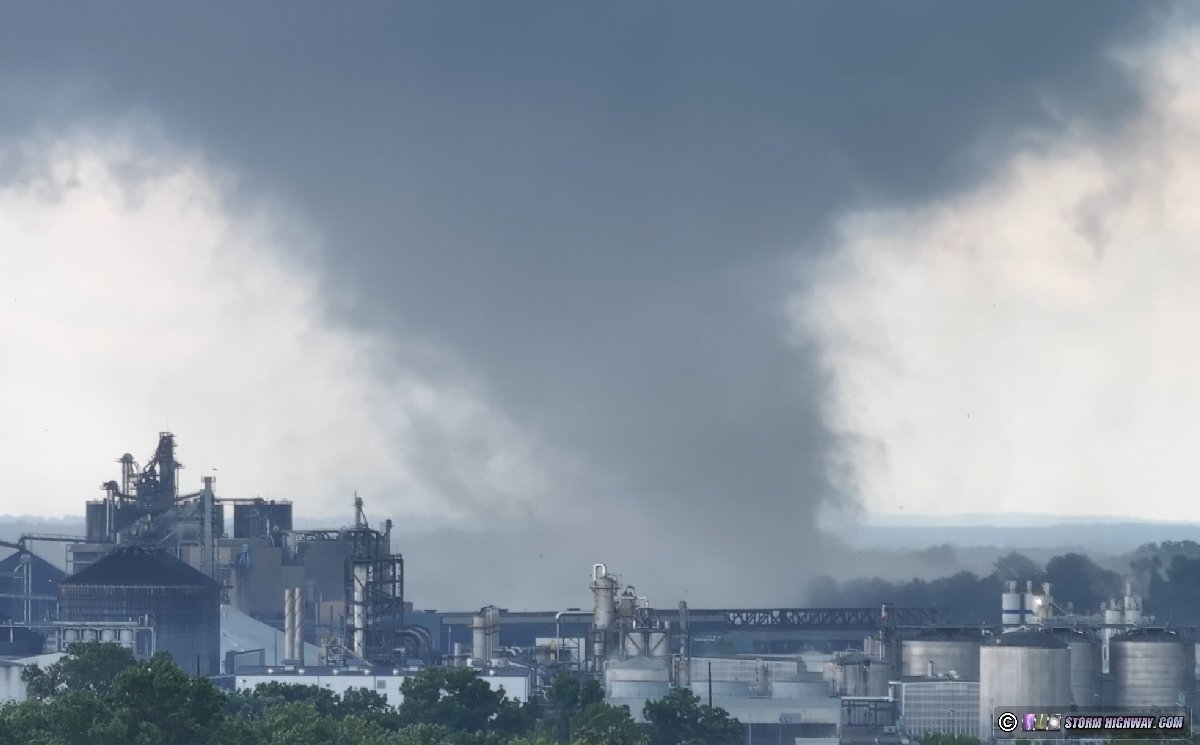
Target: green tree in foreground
{"x":88,"y":666}
{"x":679,"y":717}
{"x":100,"y":695}
{"x":456,"y":697}
{"x":601,"y":724}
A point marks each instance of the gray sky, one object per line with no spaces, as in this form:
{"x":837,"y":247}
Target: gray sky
{"x":558,"y":283}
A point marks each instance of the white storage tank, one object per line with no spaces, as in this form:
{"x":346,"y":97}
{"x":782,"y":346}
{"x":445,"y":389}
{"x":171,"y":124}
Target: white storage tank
{"x":635,"y":643}
{"x":722,"y":689}
{"x":638,"y":678}
{"x":940,"y":655}
{"x":1011,"y":605}
{"x":1022,"y":668}
{"x":857,"y":674}
{"x":658,"y":644}
{"x":1152,"y":667}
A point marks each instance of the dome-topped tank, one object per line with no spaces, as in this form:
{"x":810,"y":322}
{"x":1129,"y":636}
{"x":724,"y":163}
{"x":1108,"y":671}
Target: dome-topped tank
{"x":941,"y":654}
{"x":1152,"y":667}
{"x":1023,"y":668}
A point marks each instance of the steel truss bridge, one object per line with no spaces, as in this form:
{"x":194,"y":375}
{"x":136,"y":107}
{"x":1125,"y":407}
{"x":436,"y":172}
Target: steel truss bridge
{"x":827,"y":619}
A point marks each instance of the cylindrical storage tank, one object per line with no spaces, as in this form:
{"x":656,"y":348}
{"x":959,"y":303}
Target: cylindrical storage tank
{"x":1085,"y":668}
{"x":657,"y":644}
{"x":639,"y":678}
{"x":247,"y":521}
{"x":1023,"y":669}
{"x":850,"y":675}
{"x":95,"y":521}
{"x":948,"y":653}
{"x":829,"y":672}
{"x":721,"y":689}
{"x":479,"y":637}
{"x":1152,"y":668}
{"x":1029,"y":616}
{"x":182,"y":603}
{"x":627,"y":604}
{"x":70,"y":635}
{"x":1010,"y":609}
{"x":878,"y":675}
{"x":126,"y":636}
{"x":108,"y":635}
{"x":635,"y":644}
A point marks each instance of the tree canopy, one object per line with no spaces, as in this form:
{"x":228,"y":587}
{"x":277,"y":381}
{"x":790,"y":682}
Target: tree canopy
{"x":100,"y":694}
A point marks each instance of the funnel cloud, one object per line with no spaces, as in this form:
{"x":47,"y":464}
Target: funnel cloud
{"x":525,"y":276}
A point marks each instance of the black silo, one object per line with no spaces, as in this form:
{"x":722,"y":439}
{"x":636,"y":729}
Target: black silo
{"x":133,"y":583}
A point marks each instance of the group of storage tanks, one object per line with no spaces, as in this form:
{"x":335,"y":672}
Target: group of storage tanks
{"x":1149,"y":667}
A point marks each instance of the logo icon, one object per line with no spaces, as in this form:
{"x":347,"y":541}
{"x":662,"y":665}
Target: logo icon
{"x":1007,"y":722}
{"x":1054,"y":722}
{"x":1029,"y":721}
{"x":1041,"y":722}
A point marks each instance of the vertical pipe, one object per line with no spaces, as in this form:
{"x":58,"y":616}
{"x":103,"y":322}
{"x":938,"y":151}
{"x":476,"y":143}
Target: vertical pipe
{"x":289,"y":622}
{"x":206,"y":529}
{"x":359,"y":609}
{"x":298,"y":642}
{"x":710,"y":685}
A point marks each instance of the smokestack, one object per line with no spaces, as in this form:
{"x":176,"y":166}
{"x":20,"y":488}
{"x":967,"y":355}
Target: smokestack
{"x":289,"y":624}
{"x":298,"y":627}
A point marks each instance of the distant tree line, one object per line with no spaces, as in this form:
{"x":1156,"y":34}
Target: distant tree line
{"x":99,"y":694}
{"x":1166,"y":575}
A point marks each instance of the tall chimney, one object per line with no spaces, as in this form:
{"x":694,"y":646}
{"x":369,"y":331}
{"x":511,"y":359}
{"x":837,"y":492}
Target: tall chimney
{"x":298,"y":628}
{"x":289,"y":624}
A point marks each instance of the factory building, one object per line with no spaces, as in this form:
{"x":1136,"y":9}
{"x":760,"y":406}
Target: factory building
{"x":29,"y":583}
{"x":231,"y":589}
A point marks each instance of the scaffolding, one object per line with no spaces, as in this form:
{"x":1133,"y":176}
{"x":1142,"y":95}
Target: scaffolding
{"x":374,"y":592}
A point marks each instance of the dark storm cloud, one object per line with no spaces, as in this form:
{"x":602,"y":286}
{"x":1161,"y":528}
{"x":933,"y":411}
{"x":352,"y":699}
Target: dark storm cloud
{"x":595,"y":206}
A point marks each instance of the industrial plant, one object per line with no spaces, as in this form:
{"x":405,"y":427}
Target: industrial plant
{"x":231,"y":590}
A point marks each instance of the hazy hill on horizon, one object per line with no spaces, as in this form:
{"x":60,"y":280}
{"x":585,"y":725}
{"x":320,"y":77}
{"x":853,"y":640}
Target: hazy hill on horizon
{"x":880,"y":546}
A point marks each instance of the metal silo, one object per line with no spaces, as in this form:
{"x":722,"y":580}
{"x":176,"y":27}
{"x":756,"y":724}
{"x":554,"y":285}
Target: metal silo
{"x":135,"y":583}
{"x":1011,"y":604}
{"x":635,"y":644}
{"x":856,"y":674}
{"x":1022,"y":668}
{"x":1152,"y":667}
{"x":1085,"y":667}
{"x":658,"y":644}
{"x":638,"y":678}
{"x":940,"y":655}
{"x":603,"y":587}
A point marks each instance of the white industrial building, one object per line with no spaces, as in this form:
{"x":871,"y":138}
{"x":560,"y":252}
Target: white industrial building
{"x":948,"y":707}
{"x":12,"y":688}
